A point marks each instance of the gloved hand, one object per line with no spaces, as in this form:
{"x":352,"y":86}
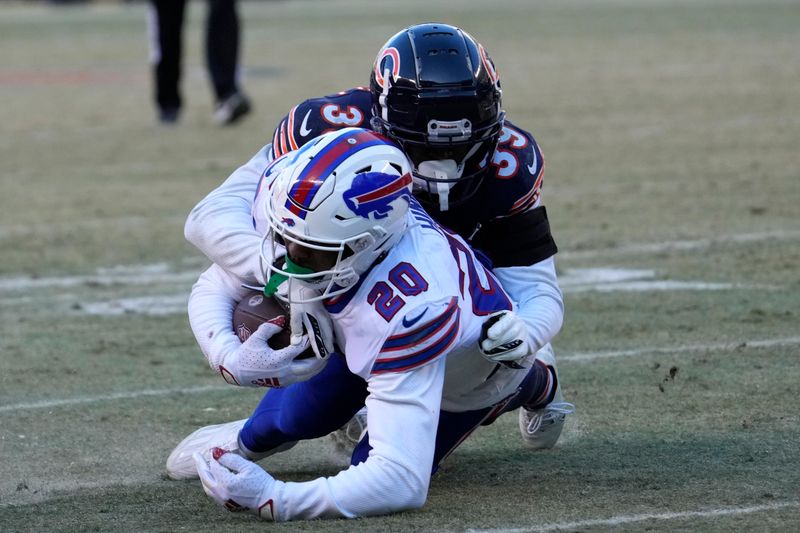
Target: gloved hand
{"x":504,"y":339}
{"x":311,"y":319}
{"x":255,"y":364}
{"x":237,"y":484}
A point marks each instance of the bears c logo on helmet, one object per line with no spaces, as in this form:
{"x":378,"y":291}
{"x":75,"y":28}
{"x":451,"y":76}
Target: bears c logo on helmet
{"x":389,"y":58}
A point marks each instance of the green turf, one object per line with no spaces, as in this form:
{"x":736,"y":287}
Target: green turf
{"x":661,"y":121}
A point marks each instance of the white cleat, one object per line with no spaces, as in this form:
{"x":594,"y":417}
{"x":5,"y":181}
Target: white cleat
{"x":541,"y":428}
{"x":180,"y":464}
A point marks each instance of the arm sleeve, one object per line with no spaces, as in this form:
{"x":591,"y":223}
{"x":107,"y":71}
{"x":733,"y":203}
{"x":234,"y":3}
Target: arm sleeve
{"x":221,"y":225}
{"x":540,"y":304}
{"x":402,"y":415}
{"x":211,"y":306}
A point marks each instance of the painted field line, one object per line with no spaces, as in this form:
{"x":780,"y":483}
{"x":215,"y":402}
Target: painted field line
{"x":629,"y":519}
{"x":681,"y":245}
{"x":126,"y":222}
{"x":63,"y":402}
{"x":128,"y":275}
{"x":674,"y":350}
{"x":578,"y":357}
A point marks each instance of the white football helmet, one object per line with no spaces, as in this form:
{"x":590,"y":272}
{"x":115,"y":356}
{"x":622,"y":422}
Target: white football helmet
{"x":345,"y":193}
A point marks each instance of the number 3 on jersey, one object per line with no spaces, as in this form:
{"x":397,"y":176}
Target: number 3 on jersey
{"x":506,"y":161}
{"x":405,"y":278}
{"x":335,"y":115}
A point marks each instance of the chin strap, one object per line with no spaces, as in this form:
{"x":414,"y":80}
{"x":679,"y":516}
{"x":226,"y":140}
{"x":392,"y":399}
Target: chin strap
{"x":440,"y":174}
{"x":382,"y":99}
{"x":275,"y":280}
{"x":443,"y":193}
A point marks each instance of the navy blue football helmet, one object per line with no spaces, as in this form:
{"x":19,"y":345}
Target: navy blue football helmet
{"x":437,"y":94}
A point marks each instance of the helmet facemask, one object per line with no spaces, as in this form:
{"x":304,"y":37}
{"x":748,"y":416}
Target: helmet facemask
{"x":348,"y":259}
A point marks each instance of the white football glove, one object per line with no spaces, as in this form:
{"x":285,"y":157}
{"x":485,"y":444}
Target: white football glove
{"x":237,"y":484}
{"x":504,"y":339}
{"x":255,"y":364}
{"x":311,"y":319}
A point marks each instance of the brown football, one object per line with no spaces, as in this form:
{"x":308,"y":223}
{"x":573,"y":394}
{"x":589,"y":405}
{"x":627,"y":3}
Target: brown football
{"x":254,"y":310}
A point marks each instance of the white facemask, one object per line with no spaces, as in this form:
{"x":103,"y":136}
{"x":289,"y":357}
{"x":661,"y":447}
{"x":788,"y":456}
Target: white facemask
{"x":441,"y":169}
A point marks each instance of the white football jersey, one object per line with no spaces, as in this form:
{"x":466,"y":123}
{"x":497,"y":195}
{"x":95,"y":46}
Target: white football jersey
{"x":427,"y":299}
{"x":410,"y":328}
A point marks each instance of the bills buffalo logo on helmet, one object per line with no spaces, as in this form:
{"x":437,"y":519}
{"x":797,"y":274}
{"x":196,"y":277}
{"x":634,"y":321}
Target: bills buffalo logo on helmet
{"x":374,"y":192}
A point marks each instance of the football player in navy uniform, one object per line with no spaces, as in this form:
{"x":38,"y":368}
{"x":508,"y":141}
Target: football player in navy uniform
{"x":435,"y":92}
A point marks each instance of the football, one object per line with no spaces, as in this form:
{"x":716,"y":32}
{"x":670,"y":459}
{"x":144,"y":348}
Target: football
{"x":255,"y":309}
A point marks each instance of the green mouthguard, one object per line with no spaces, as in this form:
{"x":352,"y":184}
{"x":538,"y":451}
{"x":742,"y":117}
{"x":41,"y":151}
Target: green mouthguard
{"x":277,"y":278}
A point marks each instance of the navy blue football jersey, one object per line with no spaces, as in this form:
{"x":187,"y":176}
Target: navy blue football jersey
{"x":513,"y":175}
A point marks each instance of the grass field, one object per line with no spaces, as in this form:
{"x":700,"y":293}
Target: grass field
{"x":672,"y":136}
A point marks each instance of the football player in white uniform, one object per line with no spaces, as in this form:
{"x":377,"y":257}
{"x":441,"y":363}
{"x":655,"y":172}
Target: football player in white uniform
{"x":408,"y":302}
{"x":473,"y":170}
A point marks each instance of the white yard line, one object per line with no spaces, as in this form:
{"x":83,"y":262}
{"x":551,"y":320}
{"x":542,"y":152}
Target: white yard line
{"x":682,"y":245}
{"x":62,"y":402}
{"x":122,"y":275}
{"x":661,"y":286}
{"x":146,"y":305}
{"x":24,"y":230}
{"x":160,"y":273}
{"x":675,"y":350}
{"x":578,"y":357}
{"x":573,"y":280}
{"x":633,"y":518}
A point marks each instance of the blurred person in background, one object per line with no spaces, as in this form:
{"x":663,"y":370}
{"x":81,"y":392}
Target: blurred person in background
{"x":165,"y":28}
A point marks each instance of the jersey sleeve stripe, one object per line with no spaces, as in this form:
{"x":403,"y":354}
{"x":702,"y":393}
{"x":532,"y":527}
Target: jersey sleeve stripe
{"x":276,"y":149}
{"x":283,"y":138}
{"x":537,"y":158}
{"x":290,"y":130}
{"x":532,"y":196}
{"x":414,"y":337}
{"x":420,"y":357}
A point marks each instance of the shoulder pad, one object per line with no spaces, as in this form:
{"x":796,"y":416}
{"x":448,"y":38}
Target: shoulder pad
{"x":517,"y":166}
{"x":312,"y":118}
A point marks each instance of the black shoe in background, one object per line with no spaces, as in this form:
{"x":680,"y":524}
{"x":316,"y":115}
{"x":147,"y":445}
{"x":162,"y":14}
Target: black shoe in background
{"x":230,"y":110}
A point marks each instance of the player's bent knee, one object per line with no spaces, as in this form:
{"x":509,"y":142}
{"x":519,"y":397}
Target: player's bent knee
{"x":415,"y":498}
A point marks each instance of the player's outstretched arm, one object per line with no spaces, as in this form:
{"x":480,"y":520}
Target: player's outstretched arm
{"x":403,"y":412}
{"x":538,"y":296}
{"x":221,"y":225}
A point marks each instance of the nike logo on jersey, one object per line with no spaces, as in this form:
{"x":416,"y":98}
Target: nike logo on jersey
{"x":532,"y":166}
{"x":304,"y":131}
{"x":409,"y":323}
